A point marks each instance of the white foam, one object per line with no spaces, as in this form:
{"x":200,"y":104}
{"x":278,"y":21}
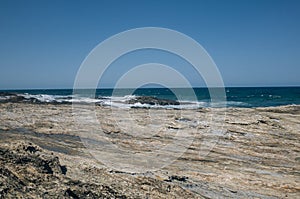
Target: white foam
{"x":5,"y":97}
{"x":121,"y":102}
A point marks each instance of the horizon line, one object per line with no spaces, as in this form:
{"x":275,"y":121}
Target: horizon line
{"x":275,"y":86}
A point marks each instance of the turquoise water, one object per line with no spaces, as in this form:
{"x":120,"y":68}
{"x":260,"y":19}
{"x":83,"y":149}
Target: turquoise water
{"x":236,"y":97}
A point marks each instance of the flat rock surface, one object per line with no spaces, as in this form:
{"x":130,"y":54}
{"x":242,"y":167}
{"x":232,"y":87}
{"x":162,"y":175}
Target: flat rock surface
{"x":219,"y":153}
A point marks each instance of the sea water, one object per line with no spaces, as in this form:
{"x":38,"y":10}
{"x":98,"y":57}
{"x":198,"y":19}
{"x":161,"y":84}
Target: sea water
{"x":199,"y":97}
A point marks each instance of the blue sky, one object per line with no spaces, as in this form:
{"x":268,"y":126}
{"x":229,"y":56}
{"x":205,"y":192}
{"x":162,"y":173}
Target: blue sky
{"x":253,"y":43}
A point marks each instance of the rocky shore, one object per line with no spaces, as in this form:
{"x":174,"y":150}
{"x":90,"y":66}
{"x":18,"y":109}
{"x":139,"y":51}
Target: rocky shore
{"x":255,"y":155}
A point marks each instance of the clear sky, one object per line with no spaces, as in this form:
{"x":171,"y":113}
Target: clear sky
{"x":253,"y":42}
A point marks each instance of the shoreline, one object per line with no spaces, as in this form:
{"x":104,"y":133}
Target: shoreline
{"x":160,"y":98}
{"x":256,"y":156}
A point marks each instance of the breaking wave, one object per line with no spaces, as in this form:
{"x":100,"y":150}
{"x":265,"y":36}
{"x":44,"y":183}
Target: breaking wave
{"x":128,"y":101}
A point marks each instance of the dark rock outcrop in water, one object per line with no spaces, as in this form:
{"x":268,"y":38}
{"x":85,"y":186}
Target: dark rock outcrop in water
{"x":11,"y":97}
{"x":6,"y":97}
{"x":152,"y":101}
{"x":15,"y":98}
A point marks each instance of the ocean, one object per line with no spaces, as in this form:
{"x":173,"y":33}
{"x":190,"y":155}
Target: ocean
{"x":235,"y":97}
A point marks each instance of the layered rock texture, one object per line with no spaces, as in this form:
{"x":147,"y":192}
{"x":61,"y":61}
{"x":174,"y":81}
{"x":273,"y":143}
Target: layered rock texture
{"x":249,"y":153}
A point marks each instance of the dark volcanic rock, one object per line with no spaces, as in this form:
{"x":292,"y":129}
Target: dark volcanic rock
{"x":15,"y":98}
{"x":6,"y":97}
{"x":11,"y":97}
{"x":152,"y":101}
